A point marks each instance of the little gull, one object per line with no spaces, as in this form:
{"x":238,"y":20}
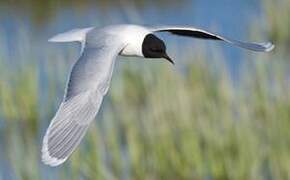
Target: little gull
{"x":91,"y":75}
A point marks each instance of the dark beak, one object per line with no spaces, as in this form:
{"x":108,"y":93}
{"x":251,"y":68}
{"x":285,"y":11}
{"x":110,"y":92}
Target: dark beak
{"x":165,"y":56}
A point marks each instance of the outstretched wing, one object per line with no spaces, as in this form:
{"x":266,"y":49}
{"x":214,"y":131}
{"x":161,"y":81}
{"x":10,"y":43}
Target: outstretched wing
{"x":199,"y":33}
{"x":88,"y":83}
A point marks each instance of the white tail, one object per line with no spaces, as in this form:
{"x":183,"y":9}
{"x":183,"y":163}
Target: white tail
{"x":75,"y":35}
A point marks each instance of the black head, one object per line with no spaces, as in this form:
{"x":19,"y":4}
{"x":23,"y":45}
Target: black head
{"x":153,"y":47}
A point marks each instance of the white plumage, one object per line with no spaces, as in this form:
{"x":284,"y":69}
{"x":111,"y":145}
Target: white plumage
{"x":89,"y":82}
{"x":91,"y":75}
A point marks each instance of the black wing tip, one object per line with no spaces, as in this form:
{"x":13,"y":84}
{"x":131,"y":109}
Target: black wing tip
{"x":191,"y":33}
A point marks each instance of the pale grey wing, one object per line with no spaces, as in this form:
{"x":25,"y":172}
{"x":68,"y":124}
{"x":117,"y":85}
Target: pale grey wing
{"x":65,"y":131}
{"x":199,"y":33}
{"x":88,"y":83}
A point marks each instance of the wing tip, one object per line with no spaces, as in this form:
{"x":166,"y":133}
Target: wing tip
{"x":47,"y":158}
{"x":269,"y":46}
{"x":59,"y":38}
{"x":53,"y":39}
{"x":74,"y":35}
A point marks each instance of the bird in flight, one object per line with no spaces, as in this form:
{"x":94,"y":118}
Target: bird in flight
{"x":91,"y":75}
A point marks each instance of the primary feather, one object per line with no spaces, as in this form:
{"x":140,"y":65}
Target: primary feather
{"x":199,"y":33}
{"x":88,"y":83}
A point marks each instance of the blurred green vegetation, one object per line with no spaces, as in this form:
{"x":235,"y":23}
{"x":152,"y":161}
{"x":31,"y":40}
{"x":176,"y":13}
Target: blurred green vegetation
{"x":157,"y":123}
{"x":279,"y":21}
{"x":42,"y":11}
